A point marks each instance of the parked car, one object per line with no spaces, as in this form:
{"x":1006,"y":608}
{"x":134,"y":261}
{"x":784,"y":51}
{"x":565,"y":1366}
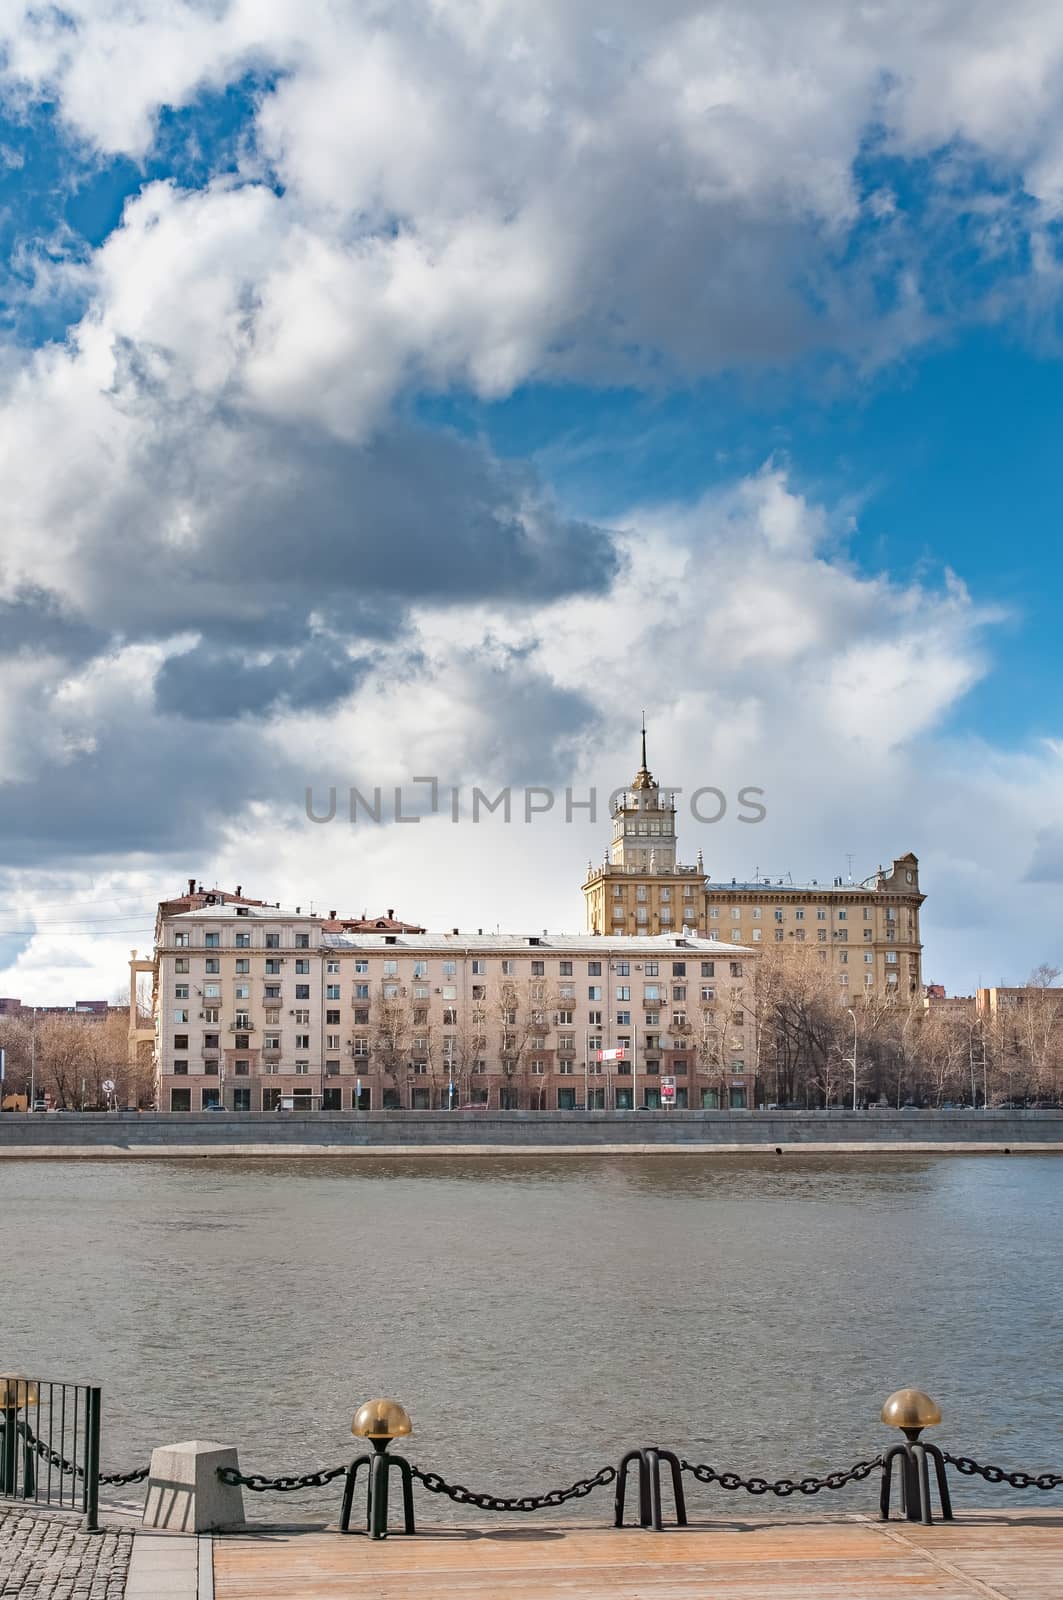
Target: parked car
{"x":215,"y":1107}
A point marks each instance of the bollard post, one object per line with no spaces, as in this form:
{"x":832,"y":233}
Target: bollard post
{"x":185,"y":1494}
{"x":911,"y":1411}
{"x":379,"y":1421}
{"x":648,"y":1462}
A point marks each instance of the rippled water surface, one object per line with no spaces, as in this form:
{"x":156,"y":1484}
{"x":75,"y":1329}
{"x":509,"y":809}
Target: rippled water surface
{"x":537,"y":1316}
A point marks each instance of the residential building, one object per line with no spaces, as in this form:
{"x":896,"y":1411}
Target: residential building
{"x":866,"y":934}
{"x":258,"y":1008}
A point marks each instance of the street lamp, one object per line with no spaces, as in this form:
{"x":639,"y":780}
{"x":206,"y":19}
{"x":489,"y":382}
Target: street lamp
{"x":852,"y":1013}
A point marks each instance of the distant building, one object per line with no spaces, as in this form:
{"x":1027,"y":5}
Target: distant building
{"x":257,"y":1008}
{"x":997,"y":1003}
{"x":80,"y":1008}
{"x":866,"y":934}
{"x":953,"y":1007}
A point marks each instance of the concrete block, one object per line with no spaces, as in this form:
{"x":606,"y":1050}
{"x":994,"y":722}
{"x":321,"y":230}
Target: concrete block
{"x":185,"y":1494}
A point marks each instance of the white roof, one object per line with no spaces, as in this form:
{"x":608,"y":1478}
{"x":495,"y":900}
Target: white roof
{"x":664,"y":944}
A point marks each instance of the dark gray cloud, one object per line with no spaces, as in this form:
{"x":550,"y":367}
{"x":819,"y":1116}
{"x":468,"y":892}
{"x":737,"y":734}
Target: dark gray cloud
{"x":211,"y":684}
{"x":33,"y":622}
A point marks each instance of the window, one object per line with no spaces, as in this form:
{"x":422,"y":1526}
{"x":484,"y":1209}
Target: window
{"x":181,"y":1068}
{"x":301,"y":966}
{"x":821,"y":935}
{"x":507,"y":969}
{"x":390,"y":969}
{"x":869,"y":956}
{"x":594,"y":1041}
{"x":640,"y":892}
{"x":480,"y":968}
{"x":332,"y":1018}
{"x":180,"y":1041}
{"x":361,"y":1045}
{"x":181,"y":964}
{"x":736,"y":913}
{"x":361,"y":966}
{"x":623,"y":969}
{"x":650,"y":969}
{"x":302,"y":991}
{"x":450,"y":991}
{"x":538,"y":1066}
{"x":623,"y":991}
{"x":594,"y":969}
{"x":679,"y":969}
{"x":180,"y":1099}
{"x":756,"y":913}
{"x":594,"y":1018}
{"x":212,"y":941}
{"x":391,"y":991}
{"x":843,"y":957}
{"x":302,"y":941}
{"x":563,"y":1019}
{"x":538,"y":969}
{"x":867,"y":913}
{"x":756,"y":935}
{"x":361,"y":1016}
{"x":332,"y":991}
{"x":213,"y":965}
{"x":679,"y":1019}
{"x":679,"y":1067}
{"x":651,"y":991}
{"x":652,"y":1019}
{"x":210,"y":1069}
{"x":302,"y":1068}
{"x":361,"y":991}
{"x":272,"y":991}
{"x":211,"y":1014}
{"x":181,"y":992}
{"x":242,"y":991}
{"x":211,"y":1041}
{"x":273,"y":941}
{"x":800,"y":914}
{"x":302,"y":1019}
{"x":302,"y":1041}
{"x":450,"y":969}
{"x":566,"y":969}
{"x":623,"y":1019}
{"x":679,"y":991}
{"x":420,"y":991}
{"x":842,"y":915}
{"x":181,"y":940}
{"x":594,"y":991}
{"x":242,"y":1041}
{"x":273,"y":966}
{"x":243,"y":941}
{"x":708,"y":993}
{"x":420,"y":969}
{"x":450,"y":1016}
{"x":714,"y":912}
{"x":821,"y":915}
{"x":736,"y":969}
{"x":891,"y":956}
{"x":242,"y":965}
{"x":641,"y":914}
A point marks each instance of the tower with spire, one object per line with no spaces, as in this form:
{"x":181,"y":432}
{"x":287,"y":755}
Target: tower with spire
{"x":644,"y":823}
{"x":639,"y":888}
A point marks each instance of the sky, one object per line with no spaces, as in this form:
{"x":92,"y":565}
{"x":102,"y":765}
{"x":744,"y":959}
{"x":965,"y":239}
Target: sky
{"x":424,"y":391}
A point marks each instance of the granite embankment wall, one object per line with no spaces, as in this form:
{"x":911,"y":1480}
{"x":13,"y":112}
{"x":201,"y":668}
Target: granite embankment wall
{"x":501,"y":1133}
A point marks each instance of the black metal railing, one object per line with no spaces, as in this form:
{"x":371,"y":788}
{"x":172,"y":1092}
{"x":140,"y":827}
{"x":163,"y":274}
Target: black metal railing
{"x":50,"y":1445}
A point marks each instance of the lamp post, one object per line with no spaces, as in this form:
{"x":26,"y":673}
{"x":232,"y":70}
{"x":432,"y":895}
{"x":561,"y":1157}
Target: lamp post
{"x":852,"y":1013}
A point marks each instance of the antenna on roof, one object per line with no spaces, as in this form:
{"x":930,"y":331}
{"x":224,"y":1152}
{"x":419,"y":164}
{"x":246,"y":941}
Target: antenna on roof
{"x":849,"y":859}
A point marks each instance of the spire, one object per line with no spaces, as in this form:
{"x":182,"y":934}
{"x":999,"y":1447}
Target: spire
{"x":643,"y":777}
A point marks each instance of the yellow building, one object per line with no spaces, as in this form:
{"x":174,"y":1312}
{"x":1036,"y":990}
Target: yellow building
{"x":866,"y":934}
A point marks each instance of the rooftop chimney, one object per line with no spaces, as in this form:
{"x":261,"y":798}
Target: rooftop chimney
{"x":391,"y":915}
{"x":332,"y":916}
{"x":239,"y":890}
{"x":453,"y":930}
{"x":191,"y":885}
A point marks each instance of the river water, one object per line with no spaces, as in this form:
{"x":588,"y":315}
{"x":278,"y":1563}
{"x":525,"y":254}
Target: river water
{"x":539,"y":1315}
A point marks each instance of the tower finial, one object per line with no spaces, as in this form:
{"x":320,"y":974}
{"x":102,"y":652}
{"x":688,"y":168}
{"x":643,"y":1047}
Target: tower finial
{"x":644,"y":767}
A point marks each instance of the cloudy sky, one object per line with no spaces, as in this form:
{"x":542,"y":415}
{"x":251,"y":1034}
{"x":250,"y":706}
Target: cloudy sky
{"x":421,"y":390}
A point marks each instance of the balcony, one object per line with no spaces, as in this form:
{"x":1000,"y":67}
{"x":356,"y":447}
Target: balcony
{"x":242,"y":1027}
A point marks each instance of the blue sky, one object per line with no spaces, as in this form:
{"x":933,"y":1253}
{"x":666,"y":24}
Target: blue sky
{"x":434,"y":389}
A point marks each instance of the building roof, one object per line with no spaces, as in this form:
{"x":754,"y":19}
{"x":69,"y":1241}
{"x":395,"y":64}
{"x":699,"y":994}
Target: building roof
{"x":664,"y":944}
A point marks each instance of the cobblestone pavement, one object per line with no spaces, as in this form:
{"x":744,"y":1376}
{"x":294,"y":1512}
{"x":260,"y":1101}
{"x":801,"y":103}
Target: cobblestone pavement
{"x":49,"y":1558}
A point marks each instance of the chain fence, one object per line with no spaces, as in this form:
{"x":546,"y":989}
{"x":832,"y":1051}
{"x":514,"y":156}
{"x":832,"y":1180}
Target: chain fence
{"x":522,"y":1502}
{"x":1014,"y":1480}
{"x":56,"y":1460}
{"x":781,"y":1486}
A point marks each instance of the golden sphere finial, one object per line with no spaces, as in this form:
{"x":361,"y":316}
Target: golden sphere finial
{"x":381,"y":1419}
{"x":911,"y":1410}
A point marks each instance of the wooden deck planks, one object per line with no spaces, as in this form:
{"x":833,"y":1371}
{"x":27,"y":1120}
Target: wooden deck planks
{"x":1005,"y":1556}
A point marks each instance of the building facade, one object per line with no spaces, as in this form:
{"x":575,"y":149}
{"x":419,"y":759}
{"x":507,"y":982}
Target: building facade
{"x":865,"y":934}
{"x":258,"y":1009}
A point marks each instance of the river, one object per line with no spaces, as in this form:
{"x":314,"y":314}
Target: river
{"x":539,"y":1315}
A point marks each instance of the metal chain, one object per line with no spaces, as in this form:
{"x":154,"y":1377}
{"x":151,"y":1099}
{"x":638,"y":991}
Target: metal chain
{"x":523,"y":1502}
{"x":1016,"y":1480}
{"x":71,"y":1468}
{"x":782,"y":1486}
{"x":283,"y":1485}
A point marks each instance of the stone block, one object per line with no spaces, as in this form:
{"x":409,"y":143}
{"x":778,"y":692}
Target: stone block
{"x":185,"y":1494}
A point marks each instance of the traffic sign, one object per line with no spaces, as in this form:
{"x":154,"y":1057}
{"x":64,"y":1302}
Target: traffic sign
{"x":107,"y":1086}
{"x":668,"y":1092}
{"x":611,"y":1055}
